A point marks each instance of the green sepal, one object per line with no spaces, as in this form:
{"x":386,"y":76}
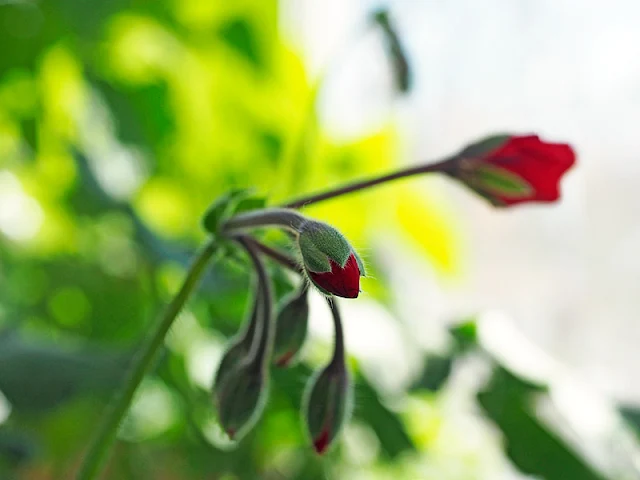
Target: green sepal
{"x":327,"y":240}
{"x":314,"y":259}
{"x":242,"y":396}
{"x":360,"y":263}
{"x":485,"y":146}
{"x":499,"y":181}
{"x":328,"y":402}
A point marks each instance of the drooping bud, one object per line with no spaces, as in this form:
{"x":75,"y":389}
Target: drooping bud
{"x":329,"y":260}
{"x":242,"y":392}
{"x":328,"y":404}
{"x":242,"y":395}
{"x":239,"y":347}
{"x":328,"y":399}
{"x":291,"y":328}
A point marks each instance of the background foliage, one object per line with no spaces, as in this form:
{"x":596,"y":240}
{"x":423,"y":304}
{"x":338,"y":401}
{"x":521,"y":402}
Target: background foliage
{"x":119,"y":123}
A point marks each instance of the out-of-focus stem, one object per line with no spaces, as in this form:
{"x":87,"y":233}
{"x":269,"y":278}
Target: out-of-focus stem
{"x":443,"y":166}
{"x":141,"y":363}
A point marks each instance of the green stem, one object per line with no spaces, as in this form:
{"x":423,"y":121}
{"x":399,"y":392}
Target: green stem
{"x":141,"y":363}
{"x":337,"y":361}
{"x":281,"y":217}
{"x":443,"y":166}
{"x":261,"y":352}
{"x":282,"y":258}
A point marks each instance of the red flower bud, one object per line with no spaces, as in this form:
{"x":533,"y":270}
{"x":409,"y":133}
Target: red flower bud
{"x":507,"y":170}
{"x":327,"y":405}
{"x":340,"y":281}
{"x":329,"y":261}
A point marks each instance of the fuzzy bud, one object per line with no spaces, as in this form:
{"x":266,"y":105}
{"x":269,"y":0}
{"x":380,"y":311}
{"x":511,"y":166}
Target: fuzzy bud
{"x":329,"y":260}
{"x":328,"y":404}
{"x":241,"y":398}
{"x":291,"y":328}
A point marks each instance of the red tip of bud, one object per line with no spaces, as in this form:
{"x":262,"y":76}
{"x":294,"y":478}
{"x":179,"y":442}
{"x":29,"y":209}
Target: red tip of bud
{"x":284,"y":360}
{"x":321,"y":443}
{"x":342,"y":282}
{"x":231,"y":433}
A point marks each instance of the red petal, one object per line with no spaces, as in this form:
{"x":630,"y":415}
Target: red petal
{"x":343,"y":282}
{"x":322,"y":441}
{"x":540,"y":164}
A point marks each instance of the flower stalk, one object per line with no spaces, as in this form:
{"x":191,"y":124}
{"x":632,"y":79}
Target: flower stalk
{"x":141,"y":364}
{"x":442,"y":166}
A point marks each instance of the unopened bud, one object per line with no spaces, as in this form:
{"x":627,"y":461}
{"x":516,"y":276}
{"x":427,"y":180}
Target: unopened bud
{"x":235,"y":353}
{"x":511,"y":169}
{"x":242,"y":395}
{"x":329,"y":260}
{"x":291,"y":328}
{"x":328,"y":404}
{"x":238,"y":349}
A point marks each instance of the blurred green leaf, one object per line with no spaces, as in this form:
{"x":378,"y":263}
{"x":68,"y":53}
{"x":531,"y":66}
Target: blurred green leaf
{"x":465,"y":335}
{"x":15,"y":448}
{"x":401,"y":66}
{"x":240,"y":35}
{"x":36,"y":376}
{"x":532,"y":447}
{"x":250,"y":203}
{"x":222,"y":208}
{"x":631,"y":415}
{"x":392,"y":434}
{"x":435,"y":373}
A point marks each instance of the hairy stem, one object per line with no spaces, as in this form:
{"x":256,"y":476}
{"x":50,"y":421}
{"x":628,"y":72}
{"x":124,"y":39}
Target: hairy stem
{"x":286,"y":261}
{"x":140,"y":365}
{"x":262,"y":350}
{"x":337,"y":361}
{"x":443,"y":166}
{"x":280,"y":217}
{"x":274,"y":254}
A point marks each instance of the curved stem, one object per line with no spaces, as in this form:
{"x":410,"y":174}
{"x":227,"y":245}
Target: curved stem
{"x":256,"y":311}
{"x":140,"y":365}
{"x":337,"y":361}
{"x":338,"y":353}
{"x":260,"y":352}
{"x":281,"y":217}
{"x":274,"y":254}
{"x":442,"y":166}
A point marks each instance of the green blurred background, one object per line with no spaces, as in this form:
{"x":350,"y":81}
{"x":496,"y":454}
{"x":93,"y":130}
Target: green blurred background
{"x":120,"y":122}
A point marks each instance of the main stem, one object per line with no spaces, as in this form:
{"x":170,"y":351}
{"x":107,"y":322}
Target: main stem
{"x":443,"y":166}
{"x":141,"y":363}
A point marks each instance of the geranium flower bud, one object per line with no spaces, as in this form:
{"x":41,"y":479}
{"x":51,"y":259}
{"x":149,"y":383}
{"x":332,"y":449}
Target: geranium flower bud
{"x":328,"y":398}
{"x":328,"y":404}
{"x":329,"y":260}
{"x":238,"y":348}
{"x":242,"y":392}
{"x":507,"y":169}
{"x":291,"y":328}
{"x":242,"y":395}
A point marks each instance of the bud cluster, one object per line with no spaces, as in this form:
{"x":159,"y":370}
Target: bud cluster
{"x":326,"y":261}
